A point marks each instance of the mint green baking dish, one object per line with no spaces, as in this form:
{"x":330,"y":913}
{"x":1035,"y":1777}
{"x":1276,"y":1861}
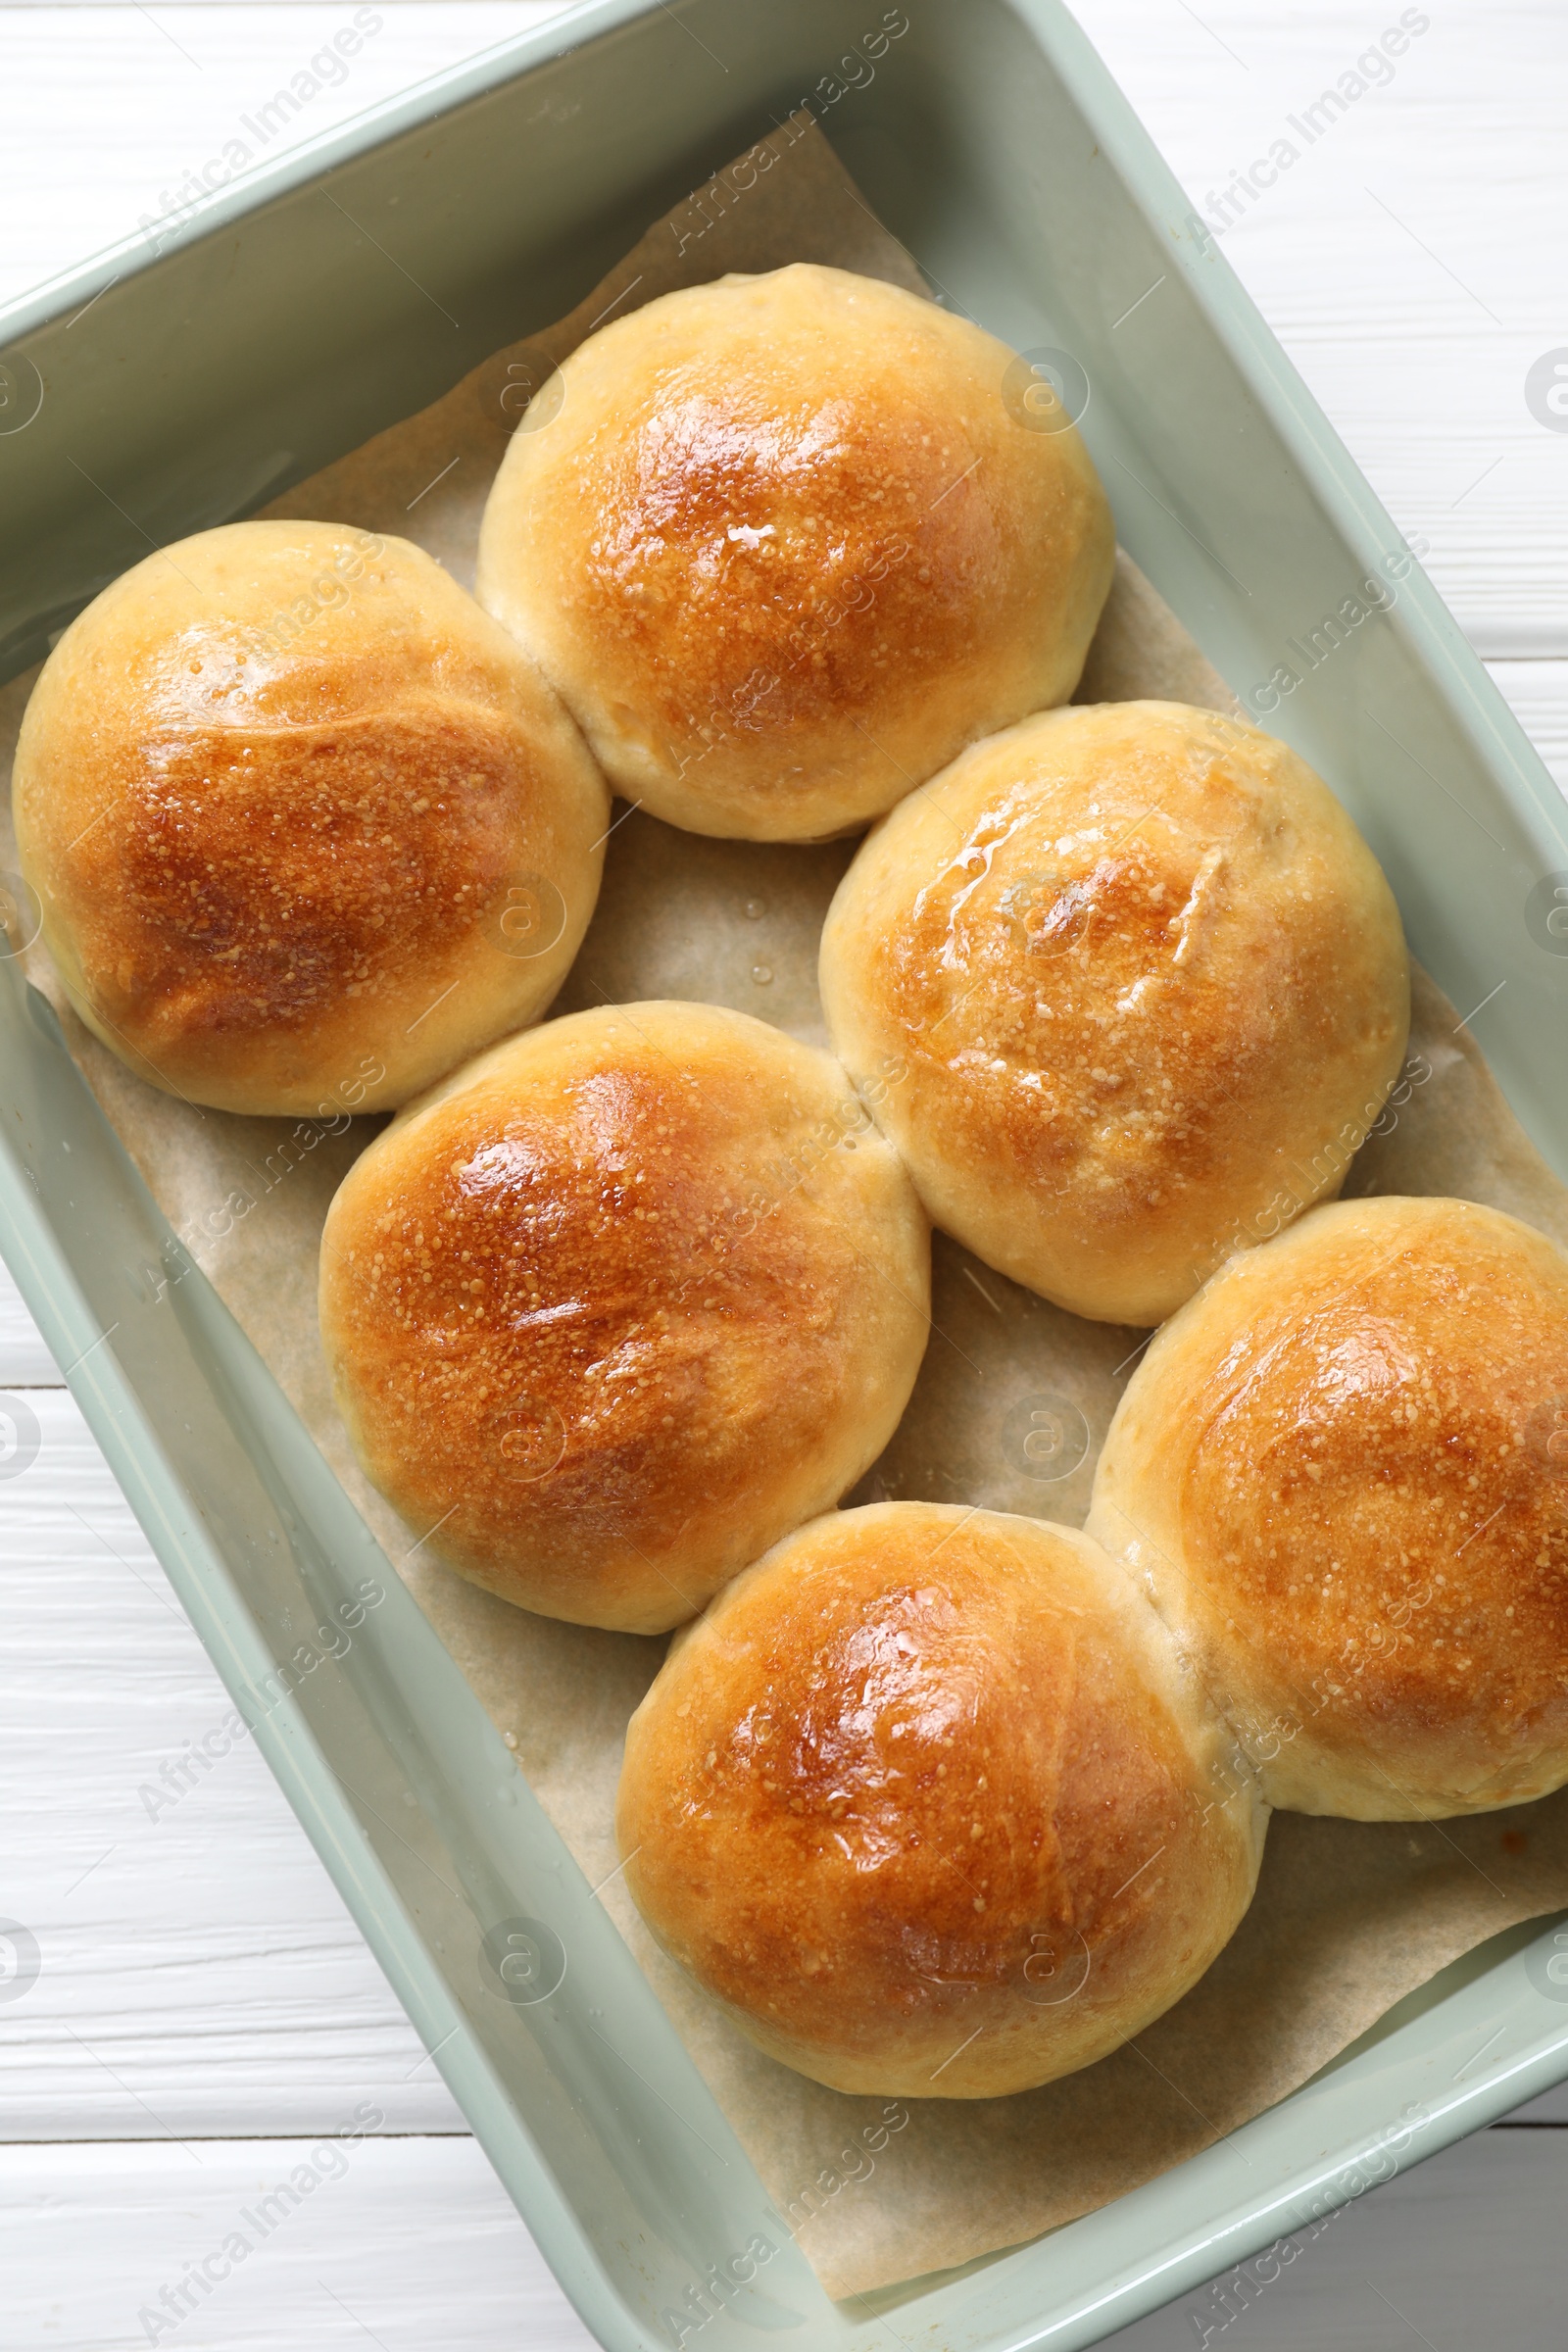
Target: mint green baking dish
{"x":286,"y":320}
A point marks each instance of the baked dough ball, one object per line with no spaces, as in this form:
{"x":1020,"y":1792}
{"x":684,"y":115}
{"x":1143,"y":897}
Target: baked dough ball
{"x":788,"y":542}
{"x":1342,"y":1474}
{"x":926,"y":1802}
{"x":1150,"y":986}
{"x":306,"y":826}
{"x":622,"y":1301}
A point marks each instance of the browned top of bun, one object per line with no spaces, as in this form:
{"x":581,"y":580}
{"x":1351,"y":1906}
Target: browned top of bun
{"x":274,"y":787}
{"x":857,"y":538}
{"x":1152,"y":987}
{"x":606,"y":1299}
{"x":913,"y":1777}
{"x":1348,"y":1461}
{"x":245,"y":877}
{"x":785,"y":546}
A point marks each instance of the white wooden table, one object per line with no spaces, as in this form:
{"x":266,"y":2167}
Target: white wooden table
{"x":204,"y":2008}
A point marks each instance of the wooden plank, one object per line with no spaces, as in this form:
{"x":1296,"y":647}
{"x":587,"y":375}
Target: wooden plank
{"x":399,"y":2242}
{"x":1410,"y":258}
{"x":24,"y":1362}
{"x":412,"y":2242}
{"x":198,"y":1970}
{"x":1538,"y":694}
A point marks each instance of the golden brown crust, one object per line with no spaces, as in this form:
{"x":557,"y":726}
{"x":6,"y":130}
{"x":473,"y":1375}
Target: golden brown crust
{"x":620,"y":1303}
{"x":1341,"y":1473}
{"x":786,"y":547}
{"x":277,"y":852}
{"x":925,"y":1802}
{"x":1151,"y":986}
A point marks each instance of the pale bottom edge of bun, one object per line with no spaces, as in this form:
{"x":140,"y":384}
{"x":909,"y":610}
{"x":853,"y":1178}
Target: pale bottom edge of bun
{"x":977,"y":2071}
{"x":1343,"y":1789}
{"x":1109,"y":1297}
{"x":661,"y":1617}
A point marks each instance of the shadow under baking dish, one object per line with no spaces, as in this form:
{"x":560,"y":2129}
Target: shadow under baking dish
{"x":274,"y":332}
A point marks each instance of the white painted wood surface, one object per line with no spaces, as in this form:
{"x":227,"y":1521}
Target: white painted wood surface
{"x":413,"y":2246}
{"x":1413,"y":258}
{"x":204,"y":2008}
{"x":410,"y":2243}
{"x":199,"y":1972}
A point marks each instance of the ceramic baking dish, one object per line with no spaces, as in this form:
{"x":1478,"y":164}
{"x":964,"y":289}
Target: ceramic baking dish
{"x":283,"y":320}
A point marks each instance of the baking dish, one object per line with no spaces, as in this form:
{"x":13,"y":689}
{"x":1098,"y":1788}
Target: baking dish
{"x":286,"y":320}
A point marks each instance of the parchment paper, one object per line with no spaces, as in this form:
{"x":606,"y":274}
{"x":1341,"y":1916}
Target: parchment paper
{"x":1348,"y":1918}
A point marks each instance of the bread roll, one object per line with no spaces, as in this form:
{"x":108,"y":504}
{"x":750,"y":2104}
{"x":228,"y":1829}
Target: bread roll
{"x":1151,"y":988}
{"x":785,"y":544}
{"x":306,"y":826}
{"x":1340,"y":1472}
{"x":925,"y":1802}
{"x":621,"y":1302}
